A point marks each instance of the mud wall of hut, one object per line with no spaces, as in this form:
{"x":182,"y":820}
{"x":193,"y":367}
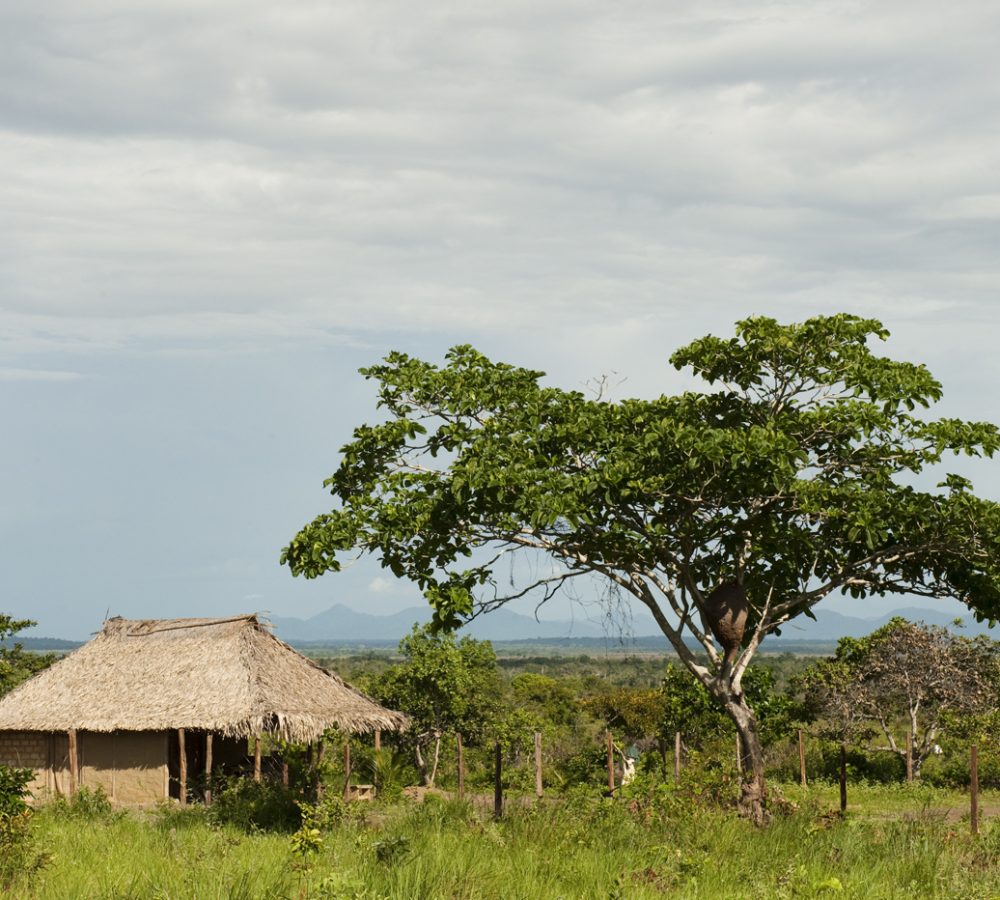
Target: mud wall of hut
{"x":130,"y":766}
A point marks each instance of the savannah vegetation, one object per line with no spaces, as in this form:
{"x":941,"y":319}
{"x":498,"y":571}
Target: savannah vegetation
{"x":795,"y":474}
{"x":653,"y":838}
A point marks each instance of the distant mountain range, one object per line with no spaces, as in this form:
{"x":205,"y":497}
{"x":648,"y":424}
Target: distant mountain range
{"x":342,"y":625}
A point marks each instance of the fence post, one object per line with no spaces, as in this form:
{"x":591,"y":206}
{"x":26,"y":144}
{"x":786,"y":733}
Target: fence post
{"x":461,"y":767}
{"x":843,"y":777}
{"x":974,"y":788}
{"x":611,"y":761}
{"x":538,"y":764}
{"x":497,"y":783}
{"x":320,"y":750}
{"x":909,"y":754}
{"x":677,"y":757}
{"x":802,"y":758}
{"x":347,"y":768}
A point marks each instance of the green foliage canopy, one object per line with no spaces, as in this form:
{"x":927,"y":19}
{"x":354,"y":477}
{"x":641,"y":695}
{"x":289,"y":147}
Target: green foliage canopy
{"x":792,"y":473}
{"x":444,"y":684}
{"x":16,"y":663}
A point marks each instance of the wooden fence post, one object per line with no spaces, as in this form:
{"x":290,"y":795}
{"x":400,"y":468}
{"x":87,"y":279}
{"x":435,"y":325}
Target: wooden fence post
{"x":538,"y":764}
{"x":461,"y":767}
{"x":677,"y":757}
{"x":256,"y":758}
{"x":208,"y":769}
{"x":347,"y":769}
{"x":611,"y":761}
{"x":909,"y":754}
{"x":974,"y":788}
{"x":320,"y":750}
{"x":182,"y":791}
{"x":74,"y":762}
{"x":802,"y":758}
{"x":497,"y":783}
{"x":843,"y":777}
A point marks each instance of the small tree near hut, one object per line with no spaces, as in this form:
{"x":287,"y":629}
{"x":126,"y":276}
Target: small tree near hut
{"x":446,"y":686}
{"x":16,"y":663}
{"x":726,"y":513}
{"x":903,"y":677}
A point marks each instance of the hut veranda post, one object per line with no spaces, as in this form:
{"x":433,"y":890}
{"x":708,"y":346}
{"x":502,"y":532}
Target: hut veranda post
{"x":148,"y":702}
{"x":726,"y":512}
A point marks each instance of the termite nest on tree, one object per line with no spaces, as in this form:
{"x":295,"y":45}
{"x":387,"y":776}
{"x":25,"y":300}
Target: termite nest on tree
{"x":726,"y":610}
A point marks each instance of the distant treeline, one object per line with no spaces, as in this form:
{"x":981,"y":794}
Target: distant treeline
{"x":41,"y":644}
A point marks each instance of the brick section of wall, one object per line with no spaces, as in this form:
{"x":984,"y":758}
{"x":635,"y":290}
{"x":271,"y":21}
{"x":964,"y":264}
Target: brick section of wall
{"x":24,"y":749}
{"x":27,"y":750}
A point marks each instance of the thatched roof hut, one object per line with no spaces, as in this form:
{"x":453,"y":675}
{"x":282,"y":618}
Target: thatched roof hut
{"x":226,"y":677}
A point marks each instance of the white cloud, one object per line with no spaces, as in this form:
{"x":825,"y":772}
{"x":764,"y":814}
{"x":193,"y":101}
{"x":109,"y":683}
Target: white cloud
{"x":380,"y":585}
{"x":317,"y":169}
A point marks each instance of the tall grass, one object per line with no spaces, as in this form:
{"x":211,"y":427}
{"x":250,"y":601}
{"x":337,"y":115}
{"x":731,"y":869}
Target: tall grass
{"x":653,"y":845}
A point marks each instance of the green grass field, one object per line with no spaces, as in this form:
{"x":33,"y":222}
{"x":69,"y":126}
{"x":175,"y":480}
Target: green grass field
{"x":894,"y":842}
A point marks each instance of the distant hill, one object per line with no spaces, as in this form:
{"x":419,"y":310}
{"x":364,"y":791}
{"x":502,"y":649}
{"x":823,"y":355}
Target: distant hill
{"x":342,"y":625}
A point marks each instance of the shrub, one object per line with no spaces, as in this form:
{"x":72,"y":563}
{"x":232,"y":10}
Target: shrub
{"x":90,"y":804}
{"x":255,"y":806}
{"x":19,"y":857}
{"x":14,"y":790}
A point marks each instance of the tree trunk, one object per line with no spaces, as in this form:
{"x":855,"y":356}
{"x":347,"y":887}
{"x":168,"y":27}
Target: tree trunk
{"x":421,"y":765}
{"x":437,"y":758}
{"x":753,"y":793}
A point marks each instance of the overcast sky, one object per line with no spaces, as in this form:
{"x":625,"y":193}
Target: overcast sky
{"x":211,"y":214}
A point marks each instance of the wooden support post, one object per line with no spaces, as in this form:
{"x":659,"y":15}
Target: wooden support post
{"x":378,"y":739}
{"x":909,"y":754}
{"x":677,"y":757}
{"x":182,"y":788}
{"x":347,"y":769}
{"x":497,"y":782}
{"x":974,"y":788}
{"x":802,"y":758}
{"x":256,"y":758}
{"x":208,"y":769}
{"x":611,"y":761}
{"x":538,"y":764}
{"x":843,"y":777}
{"x":284,"y":772}
{"x":320,"y":787}
{"x":74,"y":763}
{"x":461,"y":767}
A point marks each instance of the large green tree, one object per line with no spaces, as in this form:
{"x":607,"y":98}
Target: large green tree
{"x":726,"y":512}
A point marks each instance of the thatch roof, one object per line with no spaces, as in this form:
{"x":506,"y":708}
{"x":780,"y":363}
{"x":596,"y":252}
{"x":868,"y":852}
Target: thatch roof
{"x":229,"y":676}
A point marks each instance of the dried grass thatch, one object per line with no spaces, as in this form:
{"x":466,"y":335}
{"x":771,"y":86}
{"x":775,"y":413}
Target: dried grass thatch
{"x":229,"y":676}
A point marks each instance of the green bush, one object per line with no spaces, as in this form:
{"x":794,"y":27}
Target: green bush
{"x":91,"y":804}
{"x":19,"y":856}
{"x":14,"y":790}
{"x":255,"y":806}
